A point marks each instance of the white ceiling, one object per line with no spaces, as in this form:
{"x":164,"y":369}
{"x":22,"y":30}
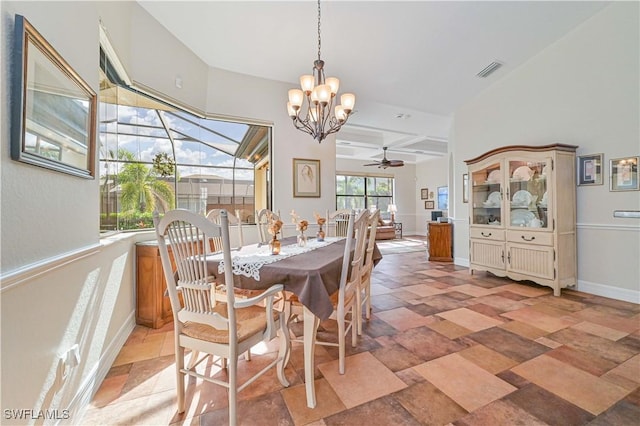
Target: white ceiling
{"x":410,"y":63}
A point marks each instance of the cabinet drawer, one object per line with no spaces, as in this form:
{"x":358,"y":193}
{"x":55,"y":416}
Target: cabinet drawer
{"x":487,"y":234}
{"x":530,"y":237}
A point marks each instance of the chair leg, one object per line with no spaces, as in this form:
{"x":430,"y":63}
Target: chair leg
{"x":367,"y":290}
{"x":358,"y":315}
{"x":341,"y":345}
{"x":232,"y":370}
{"x":285,"y":350}
{"x":180,"y":378}
{"x":355,"y":315}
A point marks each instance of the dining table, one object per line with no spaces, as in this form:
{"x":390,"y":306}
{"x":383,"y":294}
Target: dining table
{"x":311,"y":272}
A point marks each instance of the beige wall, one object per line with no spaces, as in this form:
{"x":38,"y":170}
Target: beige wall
{"x":582,"y":90}
{"x":62,"y":285}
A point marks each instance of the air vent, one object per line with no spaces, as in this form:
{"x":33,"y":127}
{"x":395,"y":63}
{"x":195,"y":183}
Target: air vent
{"x":489,"y":69}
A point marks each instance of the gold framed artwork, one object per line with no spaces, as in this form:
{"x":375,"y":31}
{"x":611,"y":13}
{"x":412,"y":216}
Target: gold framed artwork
{"x":306,"y":178}
{"x":429,"y":205}
{"x":623,"y":174}
{"x":590,"y":169}
{"x":424,"y":194}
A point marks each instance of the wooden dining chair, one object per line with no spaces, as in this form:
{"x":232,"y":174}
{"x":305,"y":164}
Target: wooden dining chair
{"x":338,"y":222}
{"x":262,"y":221}
{"x":364,"y":293}
{"x":214,"y":215}
{"x":224,"y":330}
{"x":345,"y":307}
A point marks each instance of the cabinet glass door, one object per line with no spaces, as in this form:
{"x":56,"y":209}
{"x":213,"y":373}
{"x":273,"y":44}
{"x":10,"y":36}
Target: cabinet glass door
{"x":527,"y":197}
{"x":486,"y":195}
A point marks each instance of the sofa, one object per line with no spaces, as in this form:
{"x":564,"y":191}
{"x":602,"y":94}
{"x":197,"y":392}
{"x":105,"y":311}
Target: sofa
{"x":385,"y":230}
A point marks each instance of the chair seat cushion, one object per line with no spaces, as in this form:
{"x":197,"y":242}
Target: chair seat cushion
{"x":250,"y":320}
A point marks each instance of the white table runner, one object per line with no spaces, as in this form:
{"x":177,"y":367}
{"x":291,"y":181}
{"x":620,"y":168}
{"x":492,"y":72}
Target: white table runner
{"x":248,"y":260}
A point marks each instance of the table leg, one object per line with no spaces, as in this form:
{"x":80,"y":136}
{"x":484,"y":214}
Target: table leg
{"x":311,"y":323}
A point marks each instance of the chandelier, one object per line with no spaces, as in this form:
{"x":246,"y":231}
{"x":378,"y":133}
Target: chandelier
{"x":321,"y":115}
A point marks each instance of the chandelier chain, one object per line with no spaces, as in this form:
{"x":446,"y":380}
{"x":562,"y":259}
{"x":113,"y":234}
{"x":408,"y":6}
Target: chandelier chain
{"x":319,"y":39}
{"x":320,"y":115}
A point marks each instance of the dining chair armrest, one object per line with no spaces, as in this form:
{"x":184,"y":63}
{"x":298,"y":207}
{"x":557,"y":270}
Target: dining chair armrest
{"x":270,"y":292}
{"x":271,"y":330}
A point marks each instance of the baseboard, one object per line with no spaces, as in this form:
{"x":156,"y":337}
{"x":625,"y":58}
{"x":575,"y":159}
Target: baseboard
{"x":596,"y":289}
{"x":461,"y":261}
{"x":611,"y":292}
{"x":93,"y":381}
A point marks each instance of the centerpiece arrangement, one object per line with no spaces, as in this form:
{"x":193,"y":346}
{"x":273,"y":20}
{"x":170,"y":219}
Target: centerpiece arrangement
{"x":274,"y":227}
{"x":320,"y":221}
{"x":301,"y":225}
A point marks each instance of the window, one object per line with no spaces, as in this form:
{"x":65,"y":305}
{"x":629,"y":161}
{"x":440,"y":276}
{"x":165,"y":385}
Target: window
{"x":363,"y":192}
{"x":154,"y":156}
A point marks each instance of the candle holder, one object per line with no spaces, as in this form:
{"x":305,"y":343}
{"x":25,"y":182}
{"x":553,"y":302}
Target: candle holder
{"x":302,"y":239}
{"x":274,"y":244}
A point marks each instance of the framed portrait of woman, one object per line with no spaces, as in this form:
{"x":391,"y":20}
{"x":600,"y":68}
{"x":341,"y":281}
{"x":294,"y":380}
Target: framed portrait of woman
{"x":306,"y":178}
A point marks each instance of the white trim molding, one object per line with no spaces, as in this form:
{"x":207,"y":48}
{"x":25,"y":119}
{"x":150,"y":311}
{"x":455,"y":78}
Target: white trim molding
{"x":608,"y":227}
{"x":611,"y":292}
{"x":94,"y":379}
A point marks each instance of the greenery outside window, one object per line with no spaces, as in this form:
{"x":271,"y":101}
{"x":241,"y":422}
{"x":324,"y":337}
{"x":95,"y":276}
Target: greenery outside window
{"x":363,"y":192}
{"x":155,"y":156}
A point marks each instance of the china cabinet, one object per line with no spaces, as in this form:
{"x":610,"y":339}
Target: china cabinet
{"x":522,"y":214}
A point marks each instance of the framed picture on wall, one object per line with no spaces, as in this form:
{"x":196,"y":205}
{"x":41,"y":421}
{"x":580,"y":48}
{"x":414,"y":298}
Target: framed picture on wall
{"x":424,"y":193}
{"x":429,"y":205}
{"x":590,"y":169}
{"x":306,"y":178}
{"x":443,"y":197}
{"x":623,"y":174}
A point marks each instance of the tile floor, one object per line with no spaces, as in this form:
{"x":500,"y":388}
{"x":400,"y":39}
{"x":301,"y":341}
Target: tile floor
{"x":442,"y":347}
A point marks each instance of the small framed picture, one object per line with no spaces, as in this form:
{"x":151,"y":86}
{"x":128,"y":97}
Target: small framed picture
{"x":424,"y":193}
{"x":590,"y":169}
{"x":306,"y":178}
{"x":465,"y":188}
{"x":623,"y":174}
{"x":429,"y":205}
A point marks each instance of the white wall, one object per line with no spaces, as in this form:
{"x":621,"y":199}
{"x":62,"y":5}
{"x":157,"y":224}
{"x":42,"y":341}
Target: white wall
{"x":582,"y":90}
{"x":62,"y":285}
{"x":431,"y":175}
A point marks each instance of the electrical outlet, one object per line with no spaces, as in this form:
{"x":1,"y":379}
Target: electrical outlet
{"x":73,"y":356}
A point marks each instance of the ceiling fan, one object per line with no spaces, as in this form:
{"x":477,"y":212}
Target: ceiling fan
{"x":384,"y":163}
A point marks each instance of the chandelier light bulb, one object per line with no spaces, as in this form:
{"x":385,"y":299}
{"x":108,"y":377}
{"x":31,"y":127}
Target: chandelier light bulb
{"x":315,"y":95}
{"x":348,"y":100}
{"x":291,"y":110}
{"x":335,"y":85}
{"x":296,"y":97}
{"x":321,"y":116}
{"x":307,"y":82}
{"x":324,"y":93}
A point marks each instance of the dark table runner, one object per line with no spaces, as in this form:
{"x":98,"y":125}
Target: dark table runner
{"x":312,"y":276}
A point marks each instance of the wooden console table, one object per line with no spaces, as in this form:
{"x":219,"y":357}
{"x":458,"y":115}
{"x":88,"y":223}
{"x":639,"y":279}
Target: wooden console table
{"x":440,"y":242}
{"x":153,"y":308}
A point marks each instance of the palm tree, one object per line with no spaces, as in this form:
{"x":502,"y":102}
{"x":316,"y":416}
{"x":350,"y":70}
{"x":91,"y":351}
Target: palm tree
{"x":140,"y":189}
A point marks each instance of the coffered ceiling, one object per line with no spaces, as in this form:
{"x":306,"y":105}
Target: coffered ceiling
{"x":411,"y":64}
